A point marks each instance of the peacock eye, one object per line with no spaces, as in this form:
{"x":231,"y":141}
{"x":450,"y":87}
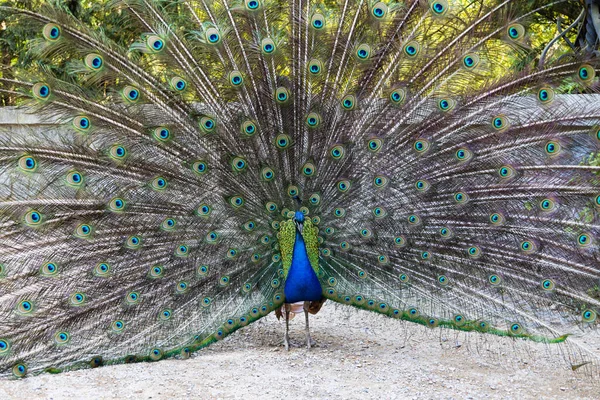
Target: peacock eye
{"x":507,"y":172}
{"x":268,"y":46}
{"x":293,"y":191}
{"x":130,"y":94}
{"x":154,"y":44}
{"x":446,"y":232}
{"x":421,"y":146}
{"x":422,"y":185}
{"x":282,"y":95}
{"x":446,"y":105}
{"x":94,"y":62}
{"x":339,"y":212}
{"x":516,"y":329}
{"x":51,"y":32}
{"x":252,"y":5}
{"x":41,"y":91}
{"x":267,"y":174}
{"x":461,"y":197}
{"x":552,"y":148}
{"x":528,"y":246}
{"x":207,"y":125}
{"x":348,"y":102}
{"x":589,"y":316}
{"x":379,"y":212}
{"x":471,"y":61}
{"x":548,"y":285}
{"x":156,"y":272}
{"x":77,"y":299}
{"x":313,"y":120}
{"x":28,"y":164}
{"x":584,"y":240}
{"x":374,"y":145}
{"x":162,"y":134}
{"x":547,"y":205}
{"x":212,"y":36}
{"x":515,"y":31}
{"x":315,"y":67}
{"x":400,"y":241}
{"x":202,"y":270}
{"x":178,"y":84}
{"x":83,"y":231}
{"x":282,"y":141}
{"x":343,"y":186}
{"x":379,"y":10}
{"x":238,"y":164}
{"x":586,"y":74}
{"x":33,"y":218}
{"x":181,"y":287}
{"x":397,"y":96}
{"x":317,"y":21}
{"x":497,"y":219}
{"x":363,"y":52}
{"x":25,"y":307}
{"x":248,"y":128}
{"x":439,"y":7}
{"x":500,"y":123}
{"x":159,"y":183}
{"x":414,"y":219}
{"x":118,"y":153}
{"x":199,"y":167}
{"x":309,"y":169}
{"x":546,"y":95}
{"x":235,"y":78}
{"x":412,"y":49}
{"x":474,"y":251}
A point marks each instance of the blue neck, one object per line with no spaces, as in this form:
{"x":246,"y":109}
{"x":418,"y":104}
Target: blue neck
{"x":301,"y":283}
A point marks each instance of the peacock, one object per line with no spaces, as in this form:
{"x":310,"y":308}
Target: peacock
{"x":428,"y":160}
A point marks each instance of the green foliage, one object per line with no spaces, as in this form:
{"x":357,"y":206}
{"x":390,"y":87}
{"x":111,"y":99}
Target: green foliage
{"x":99,"y":14}
{"x":14,"y":37}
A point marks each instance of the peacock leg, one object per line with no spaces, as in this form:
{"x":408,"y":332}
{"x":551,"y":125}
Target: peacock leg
{"x":306,"y":307}
{"x":286,"y":337}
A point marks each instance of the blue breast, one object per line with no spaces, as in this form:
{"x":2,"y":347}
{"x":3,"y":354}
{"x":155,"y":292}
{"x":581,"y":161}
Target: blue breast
{"x":301,"y":283}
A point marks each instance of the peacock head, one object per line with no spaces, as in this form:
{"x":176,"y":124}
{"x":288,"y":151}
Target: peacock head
{"x":299,"y":216}
{"x":299,"y":220}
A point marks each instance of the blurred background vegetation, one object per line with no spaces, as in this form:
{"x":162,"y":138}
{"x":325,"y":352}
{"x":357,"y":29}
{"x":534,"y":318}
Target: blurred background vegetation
{"x":98,"y":13}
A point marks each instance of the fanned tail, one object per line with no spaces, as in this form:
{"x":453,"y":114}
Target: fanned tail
{"x":453,"y":184}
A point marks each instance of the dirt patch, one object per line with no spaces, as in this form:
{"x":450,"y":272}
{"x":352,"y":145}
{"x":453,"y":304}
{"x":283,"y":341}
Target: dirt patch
{"x":358,"y":355}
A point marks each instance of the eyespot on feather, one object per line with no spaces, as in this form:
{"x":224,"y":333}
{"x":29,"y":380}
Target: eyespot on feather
{"x":317,"y":21}
{"x":94,"y":62}
{"x":212,"y":36}
{"x":51,"y":32}
{"x":515,"y":32}
{"x":155,"y":43}
{"x":130,"y":94}
{"x":41,"y":91}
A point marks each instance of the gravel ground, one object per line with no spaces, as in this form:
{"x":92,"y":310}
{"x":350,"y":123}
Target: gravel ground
{"x":359,"y":355}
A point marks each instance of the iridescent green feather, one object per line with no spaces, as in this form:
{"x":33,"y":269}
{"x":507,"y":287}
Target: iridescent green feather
{"x":310,"y":234}
{"x":286,"y":238}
